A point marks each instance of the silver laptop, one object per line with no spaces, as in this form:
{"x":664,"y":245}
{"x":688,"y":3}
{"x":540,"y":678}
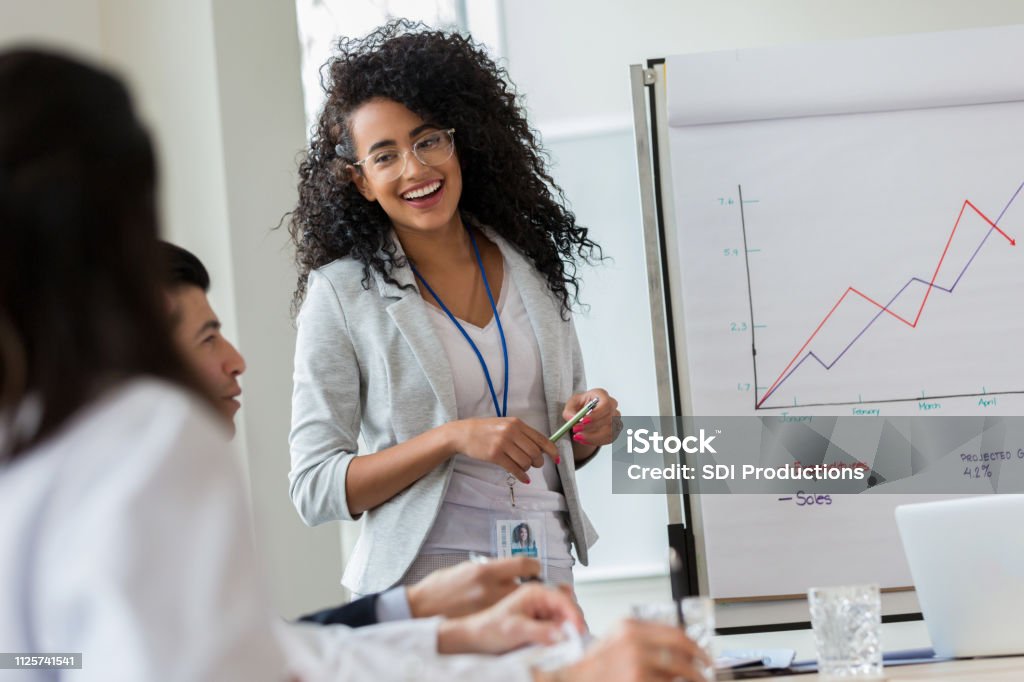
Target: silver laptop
{"x":966,"y":557}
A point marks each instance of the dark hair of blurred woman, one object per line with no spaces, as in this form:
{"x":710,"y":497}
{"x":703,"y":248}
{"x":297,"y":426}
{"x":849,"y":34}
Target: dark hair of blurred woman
{"x":80,"y":299}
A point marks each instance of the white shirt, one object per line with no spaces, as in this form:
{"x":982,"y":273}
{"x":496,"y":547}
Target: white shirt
{"x":127,"y":539}
{"x":478,"y":486}
{"x":392,"y":652}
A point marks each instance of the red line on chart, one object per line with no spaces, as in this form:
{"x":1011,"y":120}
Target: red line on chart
{"x":885,"y":309}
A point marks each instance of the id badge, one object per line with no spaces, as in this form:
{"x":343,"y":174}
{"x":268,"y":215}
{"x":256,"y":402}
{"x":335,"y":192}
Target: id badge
{"x":520,"y":534}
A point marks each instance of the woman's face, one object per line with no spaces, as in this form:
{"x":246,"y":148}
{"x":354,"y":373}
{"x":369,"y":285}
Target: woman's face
{"x":523,"y":534}
{"x":423,"y":198}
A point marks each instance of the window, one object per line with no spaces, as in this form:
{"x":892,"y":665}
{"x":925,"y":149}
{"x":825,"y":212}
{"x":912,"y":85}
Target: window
{"x":322,"y":22}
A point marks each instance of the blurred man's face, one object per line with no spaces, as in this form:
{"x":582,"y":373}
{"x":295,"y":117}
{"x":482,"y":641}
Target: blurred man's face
{"x":197,"y":335}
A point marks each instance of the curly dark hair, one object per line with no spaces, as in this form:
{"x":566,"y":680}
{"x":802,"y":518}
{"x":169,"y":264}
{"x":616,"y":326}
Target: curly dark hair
{"x":447,"y":79}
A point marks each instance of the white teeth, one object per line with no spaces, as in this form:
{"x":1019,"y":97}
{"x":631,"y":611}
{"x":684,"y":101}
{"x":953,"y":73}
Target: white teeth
{"x":422,"y":191}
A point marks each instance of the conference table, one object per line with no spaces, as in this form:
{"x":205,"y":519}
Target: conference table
{"x":964,"y":670}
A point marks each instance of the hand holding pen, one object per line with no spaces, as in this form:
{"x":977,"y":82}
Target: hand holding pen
{"x":601,"y":426}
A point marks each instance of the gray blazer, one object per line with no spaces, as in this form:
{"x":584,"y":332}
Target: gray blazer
{"x":368,"y":362}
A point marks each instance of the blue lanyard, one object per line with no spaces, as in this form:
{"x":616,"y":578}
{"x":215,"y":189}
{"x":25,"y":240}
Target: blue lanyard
{"x":503,"y":410}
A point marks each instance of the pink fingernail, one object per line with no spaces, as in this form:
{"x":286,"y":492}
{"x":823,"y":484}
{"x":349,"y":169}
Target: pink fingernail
{"x":578,"y":438}
{"x":558,"y":460}
{"x":527,"y":480}
{"x":585,"y":420}
{"x":577,"y":428}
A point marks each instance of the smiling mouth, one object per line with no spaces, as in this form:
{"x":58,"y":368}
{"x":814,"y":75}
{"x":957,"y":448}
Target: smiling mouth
{"x":423,"y":192}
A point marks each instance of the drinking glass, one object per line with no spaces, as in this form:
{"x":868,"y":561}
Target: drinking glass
{"x":846,"y":621}
{"x":699,"y":616}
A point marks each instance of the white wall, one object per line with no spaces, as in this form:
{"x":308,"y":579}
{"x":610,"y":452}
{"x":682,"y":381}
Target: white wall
{"x":71,"y":25}
{"x":571,"y":58}
{"x":263,"y":132}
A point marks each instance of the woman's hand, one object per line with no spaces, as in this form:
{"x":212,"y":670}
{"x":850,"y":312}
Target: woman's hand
{"x":599,"y":427}
{"x":636,"y":652}
{"x":533,"y":614}
{"x":509,"y":442}
{"x":468,"y":587}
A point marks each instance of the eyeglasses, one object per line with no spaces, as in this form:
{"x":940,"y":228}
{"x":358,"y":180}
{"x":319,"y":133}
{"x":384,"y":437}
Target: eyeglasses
{"x":430,"y":149}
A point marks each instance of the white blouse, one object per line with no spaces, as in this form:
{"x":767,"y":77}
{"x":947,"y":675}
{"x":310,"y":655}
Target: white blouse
{"x":478,"y":486}
{"x":126,"y":539}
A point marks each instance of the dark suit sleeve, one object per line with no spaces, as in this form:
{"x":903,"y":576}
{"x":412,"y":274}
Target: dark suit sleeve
{"x":355,"y":614}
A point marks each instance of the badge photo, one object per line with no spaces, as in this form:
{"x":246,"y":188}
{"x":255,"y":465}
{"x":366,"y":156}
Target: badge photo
{"x":521,"y":536}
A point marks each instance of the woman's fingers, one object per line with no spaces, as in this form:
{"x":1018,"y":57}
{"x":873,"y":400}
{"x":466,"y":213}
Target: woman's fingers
{"x":597,"y":428}
{"x":509,"y":442}
{"x":604,"y":411}
{"x":599,"y":432}
{"x":538,"y":444}
{"x":660,"y":637}
{"x":519,"y":456}
{"x":525,"y":441}
{"x":528,"y":448}
{"x":513,"y":467}
{"x":542,"y":443}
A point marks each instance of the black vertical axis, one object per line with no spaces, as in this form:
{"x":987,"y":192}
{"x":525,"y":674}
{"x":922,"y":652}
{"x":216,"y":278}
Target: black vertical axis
{"x":750,"y":295}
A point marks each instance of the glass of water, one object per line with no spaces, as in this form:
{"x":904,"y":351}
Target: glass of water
{"x":846,"y":622}
{"x":664,"y":612}
{"x":699,"y":615}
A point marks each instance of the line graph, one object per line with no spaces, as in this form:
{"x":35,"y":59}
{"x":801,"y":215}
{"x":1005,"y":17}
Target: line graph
{"x":853,"y":293}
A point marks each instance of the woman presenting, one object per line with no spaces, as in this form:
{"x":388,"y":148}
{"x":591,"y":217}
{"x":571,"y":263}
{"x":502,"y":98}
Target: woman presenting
{"x":437,"y":264}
